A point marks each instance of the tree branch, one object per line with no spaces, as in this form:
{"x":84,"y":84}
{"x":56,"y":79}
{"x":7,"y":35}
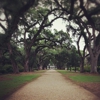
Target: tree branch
{"x":3,"y":27}
{"x":86,"y":14}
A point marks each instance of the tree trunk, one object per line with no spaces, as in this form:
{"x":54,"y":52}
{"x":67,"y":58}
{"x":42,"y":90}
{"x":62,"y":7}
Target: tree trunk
{"x":94,"y":53}
{"x":26,"y":64}
{"x":31,"y":69}
{"x":82,"y":65}
{"x":94,"y":65}
{"x":75,"y":68}
{"x":70,"y":68}
{"x":1,"y":53}
{"x":27,"y":55}
{"x":13,"y":61}
{"x":82,"y":56}
{"x":14,"y":64}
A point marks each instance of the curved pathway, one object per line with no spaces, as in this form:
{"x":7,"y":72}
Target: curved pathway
{"x":52,"y":86}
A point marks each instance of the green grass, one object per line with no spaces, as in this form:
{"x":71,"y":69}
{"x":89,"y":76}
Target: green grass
{"x":63,"y":71}
{"x":79,"y":77}
{"x":13,"y":82}
{"x":85,"y":78}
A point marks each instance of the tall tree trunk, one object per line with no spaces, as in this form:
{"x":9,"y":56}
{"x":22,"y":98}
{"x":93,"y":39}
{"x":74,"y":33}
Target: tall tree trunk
{"x":91,"y":42}
{"x":1,"y":53}
{"x":94,"y":53}
{"x":27,"y":54}
{"x":70,"y":68}
{"x":82,"y":65}
{"x":94,"y":64}
{"x":13,"y":61}
{"x":14,"y":64}
{"x":26,"y":64}
{"x":82,"y":56}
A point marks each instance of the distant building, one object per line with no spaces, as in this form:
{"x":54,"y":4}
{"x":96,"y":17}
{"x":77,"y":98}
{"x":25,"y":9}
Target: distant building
{"x":50,"y":67}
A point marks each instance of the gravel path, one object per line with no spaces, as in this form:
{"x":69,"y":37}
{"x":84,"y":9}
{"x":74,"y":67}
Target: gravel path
{"x":52,"y":86}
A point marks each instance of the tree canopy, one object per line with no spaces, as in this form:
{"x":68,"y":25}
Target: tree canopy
{"x":25,"y":33}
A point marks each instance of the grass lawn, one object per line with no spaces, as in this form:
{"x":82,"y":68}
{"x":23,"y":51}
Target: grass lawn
{"x":85,"y":78}
{"x":79,"y":77}
{"x":11,"y":82}
{"x":91,"y":82}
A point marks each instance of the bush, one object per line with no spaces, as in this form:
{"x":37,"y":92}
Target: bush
{"x":73,"y":68}
{"x":98,"y":69}
{"x":87,"y":68}
{"x":21,"y":68}
{"x":6,"y":69}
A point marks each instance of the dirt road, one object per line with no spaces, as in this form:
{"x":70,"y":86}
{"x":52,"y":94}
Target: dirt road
{"x":52,"y":86}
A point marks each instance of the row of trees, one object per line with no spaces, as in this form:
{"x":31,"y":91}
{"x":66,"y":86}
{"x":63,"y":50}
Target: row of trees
{"x":47,"y":50}
{"x":25,"y":24}
{"x":84,"y":14}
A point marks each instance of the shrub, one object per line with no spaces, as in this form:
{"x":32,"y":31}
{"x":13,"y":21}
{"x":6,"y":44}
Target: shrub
{"x":6,"y":69}
{"x":87,"y":68}
{"x":98,"y":69}
{"x":21,"y":68}
{"x":73,"y":68}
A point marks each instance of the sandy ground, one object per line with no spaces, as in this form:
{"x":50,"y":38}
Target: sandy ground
{"x":52,"y":86}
